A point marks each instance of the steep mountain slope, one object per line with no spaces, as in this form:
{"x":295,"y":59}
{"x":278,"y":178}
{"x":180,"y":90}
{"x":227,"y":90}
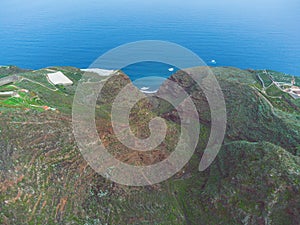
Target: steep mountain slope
{"x":44,"y":179}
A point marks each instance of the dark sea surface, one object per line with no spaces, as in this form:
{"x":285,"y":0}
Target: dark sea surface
{"x":258,"y":35}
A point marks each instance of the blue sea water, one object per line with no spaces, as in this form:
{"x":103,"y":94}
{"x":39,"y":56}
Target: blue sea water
{"x":257,"y":34}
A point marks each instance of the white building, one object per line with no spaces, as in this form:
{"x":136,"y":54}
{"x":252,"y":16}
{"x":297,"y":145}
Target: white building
{"x":7,"y":94}
{"x":59,"y":78}
{"x":101,"y":72}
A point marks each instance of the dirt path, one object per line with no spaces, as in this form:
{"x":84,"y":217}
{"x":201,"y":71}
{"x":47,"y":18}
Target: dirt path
{"x":35,"y":82}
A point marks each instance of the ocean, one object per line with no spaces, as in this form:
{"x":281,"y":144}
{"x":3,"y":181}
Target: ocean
{"x":257,"y":34}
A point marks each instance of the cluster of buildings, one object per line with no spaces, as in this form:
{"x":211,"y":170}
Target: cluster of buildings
{"x":293,"y":90}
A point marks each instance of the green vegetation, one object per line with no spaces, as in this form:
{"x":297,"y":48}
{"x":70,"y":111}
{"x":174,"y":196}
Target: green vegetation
{"x":8,"y":88}
{"x":23,"y":101}
{"x":282,"y":77}
{"x":255,"y":179}
{"x":274,"y":91}
{"x":10,"y":70}
{"x":265,"y":77}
